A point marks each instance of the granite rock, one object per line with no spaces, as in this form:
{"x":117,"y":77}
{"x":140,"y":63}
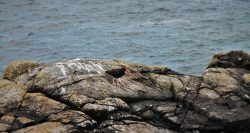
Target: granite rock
{"x":79,"y":96}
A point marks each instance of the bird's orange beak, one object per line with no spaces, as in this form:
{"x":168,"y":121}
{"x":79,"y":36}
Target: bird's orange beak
{"x":127,"y":71}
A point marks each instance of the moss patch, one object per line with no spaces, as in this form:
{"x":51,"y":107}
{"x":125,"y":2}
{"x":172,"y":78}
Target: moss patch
{"x":16,"y":68}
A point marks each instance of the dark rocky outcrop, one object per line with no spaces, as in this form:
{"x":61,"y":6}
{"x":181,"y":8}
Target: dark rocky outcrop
{"x":233,"y":59}
{"x":78,"y":96}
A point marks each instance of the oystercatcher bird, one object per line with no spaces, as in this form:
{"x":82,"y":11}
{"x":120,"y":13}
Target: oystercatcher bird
{"x":116,"y":73}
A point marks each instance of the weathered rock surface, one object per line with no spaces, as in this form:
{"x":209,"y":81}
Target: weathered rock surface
{"x":11,"y":95}
{"x":47,"y":127}
{"x":16,"y":68}
{"x":78,"y":96}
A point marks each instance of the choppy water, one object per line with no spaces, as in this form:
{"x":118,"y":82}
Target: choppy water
{"x":180,"y":34}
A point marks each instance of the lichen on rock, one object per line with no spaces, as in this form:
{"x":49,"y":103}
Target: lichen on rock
{"x":16,"y":68}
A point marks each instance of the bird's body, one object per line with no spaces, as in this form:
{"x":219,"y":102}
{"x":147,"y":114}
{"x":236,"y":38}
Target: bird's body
{"x":116,"y":73}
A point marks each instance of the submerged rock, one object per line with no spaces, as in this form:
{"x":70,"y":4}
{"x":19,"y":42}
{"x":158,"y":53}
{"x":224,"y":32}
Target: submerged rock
{"x":78,"y":96}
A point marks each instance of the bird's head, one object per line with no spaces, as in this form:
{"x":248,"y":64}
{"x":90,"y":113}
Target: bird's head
{"x":125,"y":69}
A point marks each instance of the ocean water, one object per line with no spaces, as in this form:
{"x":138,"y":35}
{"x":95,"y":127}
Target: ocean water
{"x":180,"y":34}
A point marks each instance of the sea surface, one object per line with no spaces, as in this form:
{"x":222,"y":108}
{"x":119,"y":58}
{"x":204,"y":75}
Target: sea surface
{"x":180,"y":34}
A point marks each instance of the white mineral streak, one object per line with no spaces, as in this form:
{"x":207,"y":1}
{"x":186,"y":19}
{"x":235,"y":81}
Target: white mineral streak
{"x":188,"y":88}
{"x":110,"y":108}
{"x":75,"y":64}
{"x":98,"y":66}
{"x":63,"y":90}
{"x":62,"y":68}
{"x":247,"y":96}
{"x":89,"y":66}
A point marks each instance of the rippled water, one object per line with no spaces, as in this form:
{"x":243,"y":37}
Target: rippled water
{"x":180,"y":34}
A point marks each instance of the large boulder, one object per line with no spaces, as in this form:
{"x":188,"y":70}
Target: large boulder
{"x":88,"y":78}
{"x":11,"y":95}
{"x":40,"y":105}
{"x":79,"y":96}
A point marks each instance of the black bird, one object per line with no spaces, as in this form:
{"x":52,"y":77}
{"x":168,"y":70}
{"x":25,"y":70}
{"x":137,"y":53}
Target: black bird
{"x":116,"y":73}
